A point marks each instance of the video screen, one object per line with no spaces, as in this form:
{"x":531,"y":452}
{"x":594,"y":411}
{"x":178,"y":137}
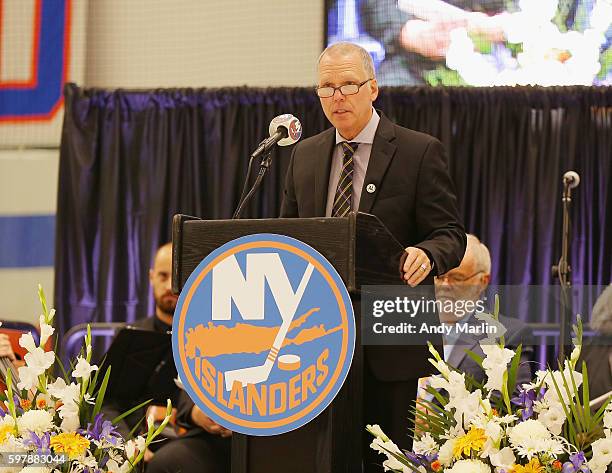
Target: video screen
{"x":479,"y":42}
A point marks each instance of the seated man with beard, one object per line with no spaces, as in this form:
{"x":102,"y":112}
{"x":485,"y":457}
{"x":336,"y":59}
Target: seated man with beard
{"x":464,"y":286}
{"x":165,"y":303}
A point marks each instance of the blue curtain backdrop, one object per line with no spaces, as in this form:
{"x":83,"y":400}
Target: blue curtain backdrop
{"x":130,"y":160}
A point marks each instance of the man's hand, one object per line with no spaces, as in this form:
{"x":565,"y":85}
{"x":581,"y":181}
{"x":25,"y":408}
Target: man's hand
{"x":6,"y":350}
{"x":148,"y":456}
{"x":210,"y":426}
{"x":416,"y":266}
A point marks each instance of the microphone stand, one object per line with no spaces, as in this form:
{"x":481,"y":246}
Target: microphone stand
{"x":562,"y":271}
{"x":265,"y":164}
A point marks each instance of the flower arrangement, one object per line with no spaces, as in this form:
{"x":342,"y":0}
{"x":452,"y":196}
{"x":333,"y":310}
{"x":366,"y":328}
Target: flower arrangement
{"x":56,"y":424}
{"x":471,"y":427}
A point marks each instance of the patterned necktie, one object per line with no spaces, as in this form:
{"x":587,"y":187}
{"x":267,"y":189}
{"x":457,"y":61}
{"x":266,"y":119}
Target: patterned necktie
{"x":344,"y":191}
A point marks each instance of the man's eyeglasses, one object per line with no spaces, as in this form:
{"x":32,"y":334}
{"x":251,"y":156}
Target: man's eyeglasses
{"x":346,"y":89}
{"x":455,"y":278}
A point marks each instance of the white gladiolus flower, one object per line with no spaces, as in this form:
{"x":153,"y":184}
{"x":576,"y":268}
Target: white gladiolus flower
{"x":454,"y":385}
{"x":69,"y":414}
{"x":425,"y":446}
{"x":503,"y":459}
{"x":493,"y":432}
{"x":27,"y":341}
{"x":83,"y":369}
{"x":553,"y":418}
{"x":381,"y":446}
{"x":39,"y":360}
{"x":140,"y":442}
{"x":551,"y":394}
{"x":453,"y":432}
{"x":575,"y":355}
{"x":45,"y":331}
{"x":132,"y":447}
{"x":596,"y":466}
{"x":442,"y":367}
{"x":445,"y":455}
{"x":607,"y":419}
{"x":35,"y":420}
{"x":495,"y":364}
{"x":602,"y":450}
{"x":467,"y":408}
{"x":66,"y":393}
{"x":469,"y":466}
{"x":28,"y":378}
{"x":150,"y":421}
{"x":393,"y":464}
{"x":377,"y":431}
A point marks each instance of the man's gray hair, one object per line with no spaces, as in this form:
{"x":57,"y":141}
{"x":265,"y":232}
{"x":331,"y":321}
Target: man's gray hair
{"x":481,"y":253}
{"x":344,"y":47}
{"x":601,"y":318}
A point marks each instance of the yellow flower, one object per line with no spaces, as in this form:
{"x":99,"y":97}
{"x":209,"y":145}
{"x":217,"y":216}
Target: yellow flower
{"x":532,"y":467}
{"x":473,"y":440}
{"x":5,"y":430}
{"x":71,"y":443}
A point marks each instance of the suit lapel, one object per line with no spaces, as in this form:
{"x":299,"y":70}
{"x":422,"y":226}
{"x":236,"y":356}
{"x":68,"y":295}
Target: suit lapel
{"x":322,"y":164}
{"x":382,"y":153}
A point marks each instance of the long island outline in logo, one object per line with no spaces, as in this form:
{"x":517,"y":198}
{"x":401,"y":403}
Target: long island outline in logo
{"x":263,"y":334}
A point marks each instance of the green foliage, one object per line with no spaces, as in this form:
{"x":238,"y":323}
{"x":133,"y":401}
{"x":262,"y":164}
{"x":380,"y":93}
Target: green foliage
{"x":606,"y":63}
{"x":442,"y":75}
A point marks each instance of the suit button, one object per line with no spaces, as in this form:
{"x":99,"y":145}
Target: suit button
{"x":370,"y":188}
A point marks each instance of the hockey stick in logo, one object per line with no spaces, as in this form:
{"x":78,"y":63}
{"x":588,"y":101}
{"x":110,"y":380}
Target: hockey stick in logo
{"x":261,"y":373}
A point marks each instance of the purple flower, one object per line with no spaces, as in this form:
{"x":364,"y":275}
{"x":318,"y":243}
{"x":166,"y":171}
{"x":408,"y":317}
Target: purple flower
{"x":526,"y":399}
{"x":17,"y":401}
{"x":101,"y":430}
{"x":418,"y":459}
{"x":41,"y":443}
{"x":577,"y":464}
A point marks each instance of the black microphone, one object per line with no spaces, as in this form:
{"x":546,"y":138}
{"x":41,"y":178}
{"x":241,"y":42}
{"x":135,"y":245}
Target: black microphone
{"x":284,"y":130}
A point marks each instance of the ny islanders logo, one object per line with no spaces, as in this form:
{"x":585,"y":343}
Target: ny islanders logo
{"x":263,"y":334}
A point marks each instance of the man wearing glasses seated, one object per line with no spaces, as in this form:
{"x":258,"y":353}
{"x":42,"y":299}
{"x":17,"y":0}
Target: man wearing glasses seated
{"x":464,"y":287}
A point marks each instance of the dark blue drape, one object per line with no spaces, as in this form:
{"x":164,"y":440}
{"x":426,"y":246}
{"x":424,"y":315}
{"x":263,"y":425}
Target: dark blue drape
{"x":132,"y":159}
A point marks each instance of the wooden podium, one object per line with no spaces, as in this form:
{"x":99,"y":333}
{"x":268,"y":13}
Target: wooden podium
{"x":364,"y":253}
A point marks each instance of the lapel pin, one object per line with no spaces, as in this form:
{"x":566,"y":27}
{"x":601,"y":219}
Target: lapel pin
{"x":370,"y":188}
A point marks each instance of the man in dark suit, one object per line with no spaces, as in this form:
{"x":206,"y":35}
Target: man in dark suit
{"x":466,"y":284}
{"x":368,"y":163}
